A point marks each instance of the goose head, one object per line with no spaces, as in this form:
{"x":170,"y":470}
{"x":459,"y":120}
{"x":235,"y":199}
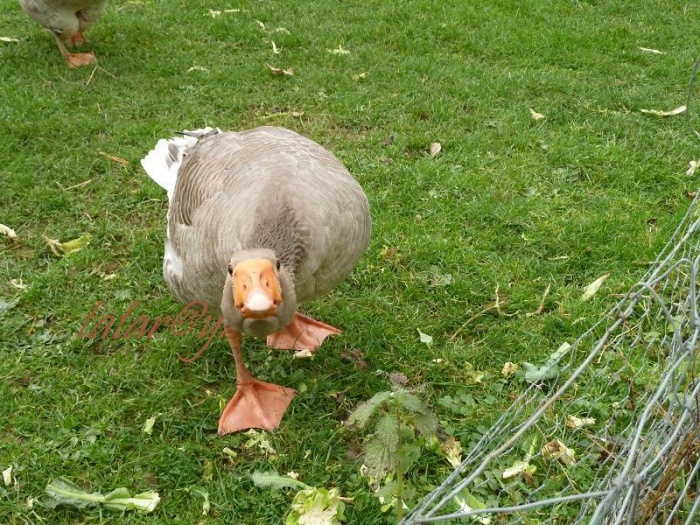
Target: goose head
{"x":258,"y":296}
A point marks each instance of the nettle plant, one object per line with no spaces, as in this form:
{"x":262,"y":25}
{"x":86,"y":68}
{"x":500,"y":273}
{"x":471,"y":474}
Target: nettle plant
{"x":402,"y":426}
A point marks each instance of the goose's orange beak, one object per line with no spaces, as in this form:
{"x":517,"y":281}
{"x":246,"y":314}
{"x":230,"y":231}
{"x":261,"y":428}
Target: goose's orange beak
{"x":256,"y":289}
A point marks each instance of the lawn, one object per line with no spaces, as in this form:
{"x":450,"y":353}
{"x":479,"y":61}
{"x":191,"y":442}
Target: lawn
{"x":549,"y":175}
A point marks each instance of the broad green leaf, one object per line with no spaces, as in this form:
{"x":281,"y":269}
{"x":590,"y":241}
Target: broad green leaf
{"x":467,"y":502}
{"x":63,"y":492}
{"x":68,"y":247}
{"x":411,"y":403}
{"x":7,"y":305}
{"x":206,"y":504}
{"x":364,"y":411}
{"x":408,"y":454}
{"x":258,"y":440}
{"x":378,"y":458}
{"x":426,"y":424}
{"x":387,"y":490}
{"x":273,"y":480}
{"x":534,"y":374}
{"x":316,"y":506}
{"x":120,"y":500}
{"x":387,"y":430}
{"x":519,"y":467}
{"x":550,"y":369}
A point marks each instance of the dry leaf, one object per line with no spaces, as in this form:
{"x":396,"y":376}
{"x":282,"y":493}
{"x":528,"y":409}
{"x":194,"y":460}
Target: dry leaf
{"x":557,"y":450}
{"x":114,"y":158}
{"x":302,"y":354}
{"x":593,"y":288}
{"x":216,"y":12}
{"x":578,"y":422}
{"x":356,"y":356}
{"x":338,"y":51}
{"x":509,"y":369}
{"x":198,"y":68}
{"x":452,"y":449}
{"x":7,"y":476}
{"x":275,"y":51}
{"x":397,"y":378}
{"x":425,"y":338}
{"x":284,"y":114}
{"x":657,"y":113}
{"x":652,"y":51}
{"x":19,"y":284}
{"x":8,"y":39}
{"x":435,"y":149}
{"x":64,"y":248}
{"x":148,"y":425}
{"x":537,"y":116}
{"x":6,"y":230}
{"x":692,"y":167}
{"x":277,"y":71}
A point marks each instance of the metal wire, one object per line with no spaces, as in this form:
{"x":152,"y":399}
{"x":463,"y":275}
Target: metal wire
{"x":636,"y":372}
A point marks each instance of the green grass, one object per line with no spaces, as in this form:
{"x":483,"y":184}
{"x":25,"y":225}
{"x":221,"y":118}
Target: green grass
{"x":510,"y":204}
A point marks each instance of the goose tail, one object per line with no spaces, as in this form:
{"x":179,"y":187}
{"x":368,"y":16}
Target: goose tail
{"x":163,"y":162}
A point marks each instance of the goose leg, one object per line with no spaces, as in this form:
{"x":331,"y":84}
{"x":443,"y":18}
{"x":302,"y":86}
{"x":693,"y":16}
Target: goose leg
{"x":302,"y":333}
{"x":73,"y":59}
{"x":256,"y":404}
{"x":77,"y":39}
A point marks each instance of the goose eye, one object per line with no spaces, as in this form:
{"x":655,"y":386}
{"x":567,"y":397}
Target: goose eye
{"x":278,"y":263}
{"x":230,"y":269}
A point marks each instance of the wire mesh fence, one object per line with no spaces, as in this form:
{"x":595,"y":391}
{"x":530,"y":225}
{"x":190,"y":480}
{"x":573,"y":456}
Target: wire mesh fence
{"x":608,"y":431}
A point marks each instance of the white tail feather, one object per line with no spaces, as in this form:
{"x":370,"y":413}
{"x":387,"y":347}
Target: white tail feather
{"x":163,"y":162}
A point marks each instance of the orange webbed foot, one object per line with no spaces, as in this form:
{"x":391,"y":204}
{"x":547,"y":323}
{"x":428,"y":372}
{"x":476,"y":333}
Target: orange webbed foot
{"x":77,"y":39}
{"x":256,"y":404}
{"x":80,"y":59}
{"x":301,"y":334}
{"x":73,"y":59}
